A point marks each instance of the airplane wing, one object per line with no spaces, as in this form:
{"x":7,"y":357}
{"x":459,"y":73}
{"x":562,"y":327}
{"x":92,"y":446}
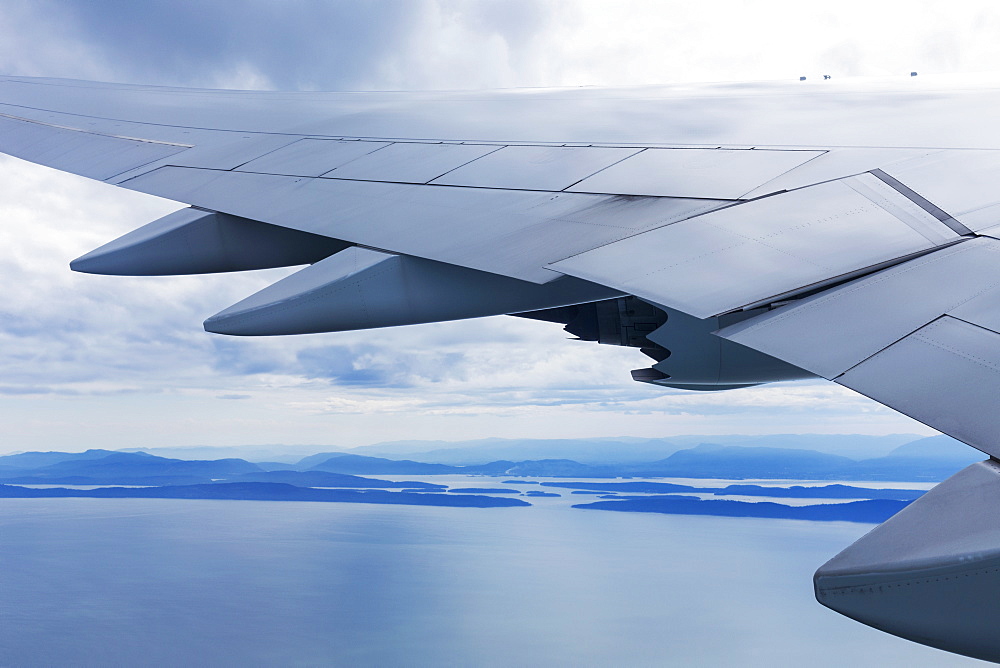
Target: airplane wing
{"x":738,"y":234}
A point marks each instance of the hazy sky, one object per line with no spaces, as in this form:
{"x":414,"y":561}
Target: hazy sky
{"x":89,"y":361}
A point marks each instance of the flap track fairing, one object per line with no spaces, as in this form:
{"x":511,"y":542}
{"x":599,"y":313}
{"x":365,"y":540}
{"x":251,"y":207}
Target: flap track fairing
{"x":196,"y":241}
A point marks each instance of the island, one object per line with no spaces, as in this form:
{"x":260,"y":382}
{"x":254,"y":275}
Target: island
{"x":870,"y":511}
{"x":263,"y":491}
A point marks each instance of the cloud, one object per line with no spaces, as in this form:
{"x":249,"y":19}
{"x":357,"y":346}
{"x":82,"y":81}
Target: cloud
{"x":419,"y":44}
{"x":96,"y":360}
{"x":292,"y":45}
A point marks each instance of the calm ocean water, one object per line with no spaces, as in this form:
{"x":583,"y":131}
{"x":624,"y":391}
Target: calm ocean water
{"x":100,"y":582}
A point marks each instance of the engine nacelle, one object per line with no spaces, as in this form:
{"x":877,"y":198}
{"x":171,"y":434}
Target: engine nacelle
{"x":930,"y":573}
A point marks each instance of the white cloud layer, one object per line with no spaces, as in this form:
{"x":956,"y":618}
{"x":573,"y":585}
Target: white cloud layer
{"x":89,"y":361}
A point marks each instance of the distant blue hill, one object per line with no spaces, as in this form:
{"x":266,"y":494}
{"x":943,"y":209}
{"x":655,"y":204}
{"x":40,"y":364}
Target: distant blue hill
{"x":357,"y":464}
{"x":730,"y":461}
{"x":130,"y":468}
{"x":143,"y":464}
{"x":264,"y":491}
{"x":34,"y":460}
{"x":874,"y":512}
{"x":924,"y":460}
{"x":317,"y":459}
{"x":557,"y":468}
{"x":927,"y":459}
{"x":933,"y":458}
{"x":622,"y":450}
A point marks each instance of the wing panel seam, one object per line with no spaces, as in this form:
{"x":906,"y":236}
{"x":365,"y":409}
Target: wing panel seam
{"x":616,"y":162}
{"x":922,"y":202}
{"x":430,"y":185}
{"x":96,"y":134}
{"x":926,"y":258}
{"x":787,"y":171}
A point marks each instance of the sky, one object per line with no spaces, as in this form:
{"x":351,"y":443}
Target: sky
{"x":93,"y":361}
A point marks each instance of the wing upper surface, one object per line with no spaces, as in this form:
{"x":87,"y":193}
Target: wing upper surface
{"x":945,"y":112}
{"x":511,"y":209}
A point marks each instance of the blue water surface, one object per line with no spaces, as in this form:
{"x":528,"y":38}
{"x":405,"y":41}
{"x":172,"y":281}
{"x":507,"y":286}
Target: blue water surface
{"x":161,"y":582}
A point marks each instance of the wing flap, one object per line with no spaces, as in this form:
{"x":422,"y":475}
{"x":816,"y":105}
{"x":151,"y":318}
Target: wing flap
{"x":765,"y":249}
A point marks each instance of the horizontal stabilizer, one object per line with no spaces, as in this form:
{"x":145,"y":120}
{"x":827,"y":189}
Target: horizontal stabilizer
{"x":930,"y":573}
{"x":361,"y":289}
{"x":195,"y":241}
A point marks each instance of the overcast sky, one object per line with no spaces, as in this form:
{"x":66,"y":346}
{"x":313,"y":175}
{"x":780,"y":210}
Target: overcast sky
{"x":90,"y":361}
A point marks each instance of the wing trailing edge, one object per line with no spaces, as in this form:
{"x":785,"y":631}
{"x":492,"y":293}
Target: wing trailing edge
{"x":922,"y":337}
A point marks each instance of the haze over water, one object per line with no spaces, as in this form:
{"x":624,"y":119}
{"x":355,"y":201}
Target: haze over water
{"x":166,"y":582}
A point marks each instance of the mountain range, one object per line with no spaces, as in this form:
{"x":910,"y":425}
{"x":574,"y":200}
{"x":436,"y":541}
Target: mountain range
{"x":591,"y":451}
{"x":927,"y":459}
